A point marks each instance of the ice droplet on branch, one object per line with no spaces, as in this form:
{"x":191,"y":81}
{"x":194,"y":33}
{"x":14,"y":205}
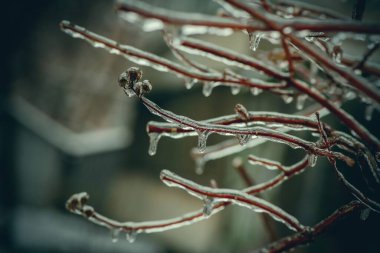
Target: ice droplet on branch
{"x":115,"y":234}
{"x":301,"y":101}
{"x":254,"y":40}
{"x":207,"y":206}
{"x":287,"y":98}
{"x":207,"y":88}
{"x":364,"y":214}
{"x":153,"y":141}
{"x":312,"y":160}
{"x":190,"y":82}
{"x":337,"y":54}
{"x":131,"y":236}
{"x":202,"y":139}
{"x":256,"y":91}
{"x":369,"y":111}
{"x":199,"y":165}
{"x":243,"y":139}
{"x":235,"y":89}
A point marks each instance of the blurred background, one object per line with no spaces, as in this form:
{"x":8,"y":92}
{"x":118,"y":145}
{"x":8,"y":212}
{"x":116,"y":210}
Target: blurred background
{"x":66,"y":127}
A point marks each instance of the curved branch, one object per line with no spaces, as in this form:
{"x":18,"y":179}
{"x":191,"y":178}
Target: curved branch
{"x":233,"y":196}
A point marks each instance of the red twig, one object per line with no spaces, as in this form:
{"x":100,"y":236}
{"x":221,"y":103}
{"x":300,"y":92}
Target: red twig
{"x":305,"y":237}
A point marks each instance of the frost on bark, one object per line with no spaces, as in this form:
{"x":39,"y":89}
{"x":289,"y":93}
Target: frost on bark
{"x":307,"y":63}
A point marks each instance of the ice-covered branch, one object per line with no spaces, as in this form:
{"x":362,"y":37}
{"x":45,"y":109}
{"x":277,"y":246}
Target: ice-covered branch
{"x":227,"y":56}
{"x":159,"y":63}
{"x":230,"y":147}
{"x":78,"y":205}
{"x":307,"y":61}
{"x":243,"y":134}
{"x":233,"y":196}
{"x":154,"y":18}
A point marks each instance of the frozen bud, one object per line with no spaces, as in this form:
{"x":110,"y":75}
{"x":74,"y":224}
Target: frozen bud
{"x":77,"y":201}
{"x":143,"y":87}
{"x":88,"y":211}
{"x":146,"y":86}
{"x":242,"y":112}
{"x":123,"y":80}
{"x":130,"y":77}
{"x":72,"y":204}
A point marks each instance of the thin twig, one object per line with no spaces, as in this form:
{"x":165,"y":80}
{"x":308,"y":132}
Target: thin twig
{"x":303,"y":238}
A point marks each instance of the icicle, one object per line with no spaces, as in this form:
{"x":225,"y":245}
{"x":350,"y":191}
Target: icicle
{"x":202,"y":139}
{"x":256,"y":91}
{"x":312,"y":160}
{"x":199,"y":165}
{"x":153,"y":141}
{"x":301,"y":101}
{"x":213,"y":183}
{"x":131,"y":236}
{"x":365,"y":99}
{"x":115,"y":234}
{"x":207,"y":88}
{"x":287,"y":98}
{"x":189,"y":83}
{"x":353,"y":133}
{"x":254,"y":40}
{"x":150,"y":25}
{"x":207,"y":206}
{"x":115,"y":51}
{"x":337,"y":54}
{"x":235,"y":89}
{"x":369,"y":111}
{"x":243,"y":138}
{"x":98,"y":45}
{"x":358,"y":72}
{"x":349,"y":95}
{"x":364,"y":214}
{"x":309,"y":38}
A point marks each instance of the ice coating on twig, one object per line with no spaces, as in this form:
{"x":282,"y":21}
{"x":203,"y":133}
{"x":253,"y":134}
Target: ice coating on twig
{"x":269,"y":164}
{"x":227,"y":56}
{"x":152,"y":18}
{"x":273,"y":135}
{"x":78,"y":204}
{"x":234,"y":196}
{"x":156,"y":62}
